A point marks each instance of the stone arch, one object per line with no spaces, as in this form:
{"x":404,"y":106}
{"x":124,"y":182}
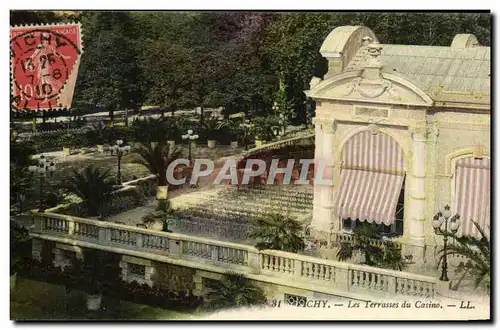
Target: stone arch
{"x":452,"y":158}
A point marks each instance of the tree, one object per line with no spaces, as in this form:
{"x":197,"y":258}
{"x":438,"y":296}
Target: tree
{"x":108,"y":74}
{"x":163,"y":213}
{"x":278,"y":232}
{"x":168,"y":71}
{"x":477,"y":251}
{"x":157,"y":157}
{"x":232,"y":291}
{"x":95,"y":274}
{"x":377,"y":251}
{"x":94,"y":187}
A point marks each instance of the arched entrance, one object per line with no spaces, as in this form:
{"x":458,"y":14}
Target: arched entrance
{"x":372,"y":179}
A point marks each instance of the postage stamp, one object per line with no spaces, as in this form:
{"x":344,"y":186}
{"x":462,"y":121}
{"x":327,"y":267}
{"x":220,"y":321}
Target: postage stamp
{"x":44,"y":65}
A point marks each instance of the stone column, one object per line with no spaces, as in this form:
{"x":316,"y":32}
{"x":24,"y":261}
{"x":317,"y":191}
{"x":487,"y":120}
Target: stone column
{"x":324,"y":191}
{"x":417,"y":194}
{"x":318,"y":154}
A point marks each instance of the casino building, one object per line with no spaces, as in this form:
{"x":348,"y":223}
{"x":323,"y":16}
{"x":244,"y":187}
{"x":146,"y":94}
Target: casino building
{"x":404,"y":130}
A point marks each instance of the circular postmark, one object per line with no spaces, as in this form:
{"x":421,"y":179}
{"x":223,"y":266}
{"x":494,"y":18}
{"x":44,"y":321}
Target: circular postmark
{"x":41,"y":64}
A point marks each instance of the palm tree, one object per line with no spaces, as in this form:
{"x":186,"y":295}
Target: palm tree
{"x":232,"y":291}
{"x":163,"y":213}
{"x":278,"y":232}
{"x":157,"y":157}
{"x":93,"y":186}
{"x":477,"y":251}
{"x":98,"y":272}
{"x":365,"y":237}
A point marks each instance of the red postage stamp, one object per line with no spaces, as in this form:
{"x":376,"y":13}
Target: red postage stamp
{"x":44,"y":65}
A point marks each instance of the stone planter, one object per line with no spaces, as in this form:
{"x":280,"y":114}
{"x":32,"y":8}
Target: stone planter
{"x":13,"y":281}
{"x":259,"y":143}
{"x":66,"y":151}
{"x":100,"y":148}
{"x":94,"y":302}
{"x":211,"y":144}
{"x":171,"y":144}
{"x":234,"y":144}
{"x":162,"y":192}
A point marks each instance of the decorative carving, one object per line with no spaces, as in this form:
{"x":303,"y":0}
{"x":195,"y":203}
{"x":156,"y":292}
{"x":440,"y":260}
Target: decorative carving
{"x":374,"y":129}
{"x":419,"y":132}
{"x":374,"y":50}
{"x":314,"y":82}
{"x":371,"y":89}
{"x":366,"y":41}
{"x":329,"y":128}
{"x":371,"y":111}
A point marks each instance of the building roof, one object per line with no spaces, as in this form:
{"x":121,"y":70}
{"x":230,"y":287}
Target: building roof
{"x":445,"y":73}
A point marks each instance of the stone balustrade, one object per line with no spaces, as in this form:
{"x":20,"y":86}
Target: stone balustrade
{"x":264,"y":265}
{"x":281,"y":143}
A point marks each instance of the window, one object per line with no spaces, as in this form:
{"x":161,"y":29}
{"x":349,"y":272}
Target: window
{"x":135,"y":269}
{"x":394,"y":229}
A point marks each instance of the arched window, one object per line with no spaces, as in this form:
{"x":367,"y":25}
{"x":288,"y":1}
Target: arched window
{"x":372,"y":182}
{"x":472,"y":194}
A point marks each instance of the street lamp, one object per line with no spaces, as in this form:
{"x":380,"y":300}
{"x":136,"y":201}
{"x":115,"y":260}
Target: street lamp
{"x":275,"y":107}
{"x":120,"y":150}
{"x":454,"y":222}
{"x":191,"y":137}
{"x":277,"y":132}
{"x":43,"y":168}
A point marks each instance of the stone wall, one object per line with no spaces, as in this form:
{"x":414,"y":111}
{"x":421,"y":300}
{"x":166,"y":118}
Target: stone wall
{"x":448,"y":134}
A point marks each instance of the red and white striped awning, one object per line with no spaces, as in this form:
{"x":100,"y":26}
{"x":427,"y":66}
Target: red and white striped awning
{"x":368,"y":196}
{"x":373,"y":152}
{"x":472,"y":195}
{"x":371,"y":178}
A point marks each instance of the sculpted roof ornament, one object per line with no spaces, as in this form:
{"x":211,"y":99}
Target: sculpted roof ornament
{"x":366,"y":41}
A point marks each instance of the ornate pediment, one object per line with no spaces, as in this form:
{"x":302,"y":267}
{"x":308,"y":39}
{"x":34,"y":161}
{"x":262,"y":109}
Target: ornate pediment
{"x":371,"y":85}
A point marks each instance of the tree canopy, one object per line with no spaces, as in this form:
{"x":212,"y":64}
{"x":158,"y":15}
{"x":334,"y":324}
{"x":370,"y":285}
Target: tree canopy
{"x":242,"y":61}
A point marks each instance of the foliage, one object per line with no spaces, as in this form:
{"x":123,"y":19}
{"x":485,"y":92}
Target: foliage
{"x":232,"y":291}
{"x":163,"y":213}
{"x":212,"y":129}
{"x":108,"y":71}
{"x":263,"y":127}
{"x":477,"y":251}
{"x":97,"y":272}
{"x":68,"y":140}
{"x":377,"y":251}
{"x":278,"y":232}
{"x":19,"y":247}
{"x":157,"y":158}
{"x":94,"y":187}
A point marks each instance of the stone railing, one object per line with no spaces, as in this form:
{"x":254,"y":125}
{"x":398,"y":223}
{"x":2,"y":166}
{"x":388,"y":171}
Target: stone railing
{"x":347,"y":237}
{"x":281,"y":143}
{"x":320,"y":275}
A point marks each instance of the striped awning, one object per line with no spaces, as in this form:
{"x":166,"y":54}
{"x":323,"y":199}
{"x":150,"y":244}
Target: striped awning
{"x":373,"y":152}
{"x":368,"y":196}
{"x":472,"y":195}
{"x":371,"y":178}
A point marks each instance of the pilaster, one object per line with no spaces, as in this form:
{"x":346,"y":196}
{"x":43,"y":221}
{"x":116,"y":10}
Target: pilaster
{"x":324,"y":193}
{"x":418,"y":196}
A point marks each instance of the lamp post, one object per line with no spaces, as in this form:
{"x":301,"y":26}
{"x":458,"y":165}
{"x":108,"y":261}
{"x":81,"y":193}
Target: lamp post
{"x":120,"y":150}
{"x":43,"y":168}
{"x":444,"y":217}
{"x":277,"y":132}
{"x":190,"y":137}
{"x":275,"y":107}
